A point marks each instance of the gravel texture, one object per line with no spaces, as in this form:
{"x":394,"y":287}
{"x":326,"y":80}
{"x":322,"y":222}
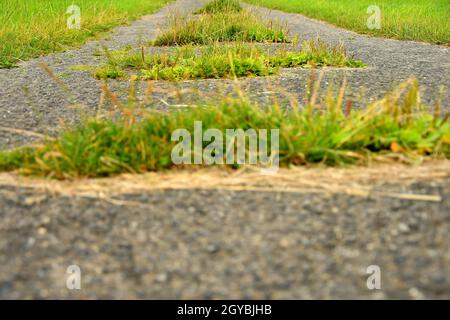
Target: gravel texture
{"x":220,"y":243}
{"x":223,"y":244}
{"x":30,"y":99}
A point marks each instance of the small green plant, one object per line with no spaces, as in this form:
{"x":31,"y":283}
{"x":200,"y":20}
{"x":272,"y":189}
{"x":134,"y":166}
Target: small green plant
{"x":216,"y":6}
{"x":109,"y":72}
{"x":397,"y":126}
{"x":220,"y":61}
{"x":223,"y":26}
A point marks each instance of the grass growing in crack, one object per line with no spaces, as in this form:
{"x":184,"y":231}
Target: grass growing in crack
{"x":397,"y":126}
{"x":30,"y":28}
{"x":222,"y":26}
{"x":221,"y":61}
{"x":425,"y":20}
{"x":216,"y":6}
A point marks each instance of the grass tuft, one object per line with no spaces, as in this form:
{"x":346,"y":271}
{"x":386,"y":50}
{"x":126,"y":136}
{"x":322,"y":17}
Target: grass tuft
{"x":223,"y":26}
{"x":220,"y":61}
{"x":217,"y":6}
{"x":397,"y":126}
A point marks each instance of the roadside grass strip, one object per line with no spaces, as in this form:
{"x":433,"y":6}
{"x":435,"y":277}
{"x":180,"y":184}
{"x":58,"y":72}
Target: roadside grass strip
{"x":425,"y":20}
{"x":31,"y":28}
